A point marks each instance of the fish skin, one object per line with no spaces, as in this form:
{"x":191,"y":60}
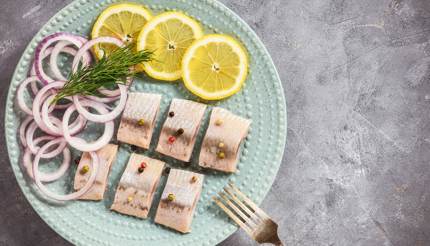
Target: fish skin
{"x":140,"y":186}
{"x":106,"y":156}
{"x":231,"y":133}
{"x":178,"y":214}
{"x":188,"y":116}
{"x":139,"y":106}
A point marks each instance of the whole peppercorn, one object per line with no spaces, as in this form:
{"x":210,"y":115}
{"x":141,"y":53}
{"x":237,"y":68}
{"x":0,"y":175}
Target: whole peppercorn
{"x":141,"y":122}
{"x":221,"y":145}
{"x":143,"y":164}
{"x":140,"y":170}
{"x":218,"y":122}
{"x":171,"y":139}
{"x":171,"y":197}
{"x":179,"y":132}
{"x":221,"y":155}
{"x":193,"y":179}
{"x":85,"y":169}
{"x":171,"y":114}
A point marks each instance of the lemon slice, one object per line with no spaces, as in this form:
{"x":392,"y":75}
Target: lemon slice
{"x":123,"y":21}
{"x":168,"y":35}
{"x":215,"y":67}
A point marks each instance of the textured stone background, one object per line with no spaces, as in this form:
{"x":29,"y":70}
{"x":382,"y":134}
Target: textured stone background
{"x":356,"y":78}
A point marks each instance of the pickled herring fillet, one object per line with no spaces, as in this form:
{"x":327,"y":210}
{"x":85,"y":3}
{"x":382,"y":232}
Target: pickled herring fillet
{"x":106,"y":156}
{"x":178,"y":135}
{"x":136,"y":188}
{"x":179,"y":200}
{"x":138,"y":119}
{"x":221,"y":145}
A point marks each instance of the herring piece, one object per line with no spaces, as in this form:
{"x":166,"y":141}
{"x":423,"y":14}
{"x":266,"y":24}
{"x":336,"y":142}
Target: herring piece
{"x":181,"y":126}
{"x":137,"y":187}
{"x":138,"y":119}
{"x":179,"y":200}
{"x":106,"y":157}
{"x":221,"y":144}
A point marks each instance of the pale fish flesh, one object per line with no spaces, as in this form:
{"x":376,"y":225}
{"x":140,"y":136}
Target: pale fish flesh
{"x":136,"y":189}
{"x":179,"y":200}
{"x":221,"y":145}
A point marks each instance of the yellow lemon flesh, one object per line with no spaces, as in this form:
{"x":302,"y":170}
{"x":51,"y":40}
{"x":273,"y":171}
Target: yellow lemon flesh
{"x":168,"y":35}
{"x":215,"y":67}
{"x":123,"y":21}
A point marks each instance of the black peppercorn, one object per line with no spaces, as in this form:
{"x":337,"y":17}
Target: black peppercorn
{"x":171,"y":114}
{"x":140,"y":169}
{"x":179,"y":132}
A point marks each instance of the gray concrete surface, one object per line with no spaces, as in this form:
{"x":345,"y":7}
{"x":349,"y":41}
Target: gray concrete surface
{"x":356,"y":77}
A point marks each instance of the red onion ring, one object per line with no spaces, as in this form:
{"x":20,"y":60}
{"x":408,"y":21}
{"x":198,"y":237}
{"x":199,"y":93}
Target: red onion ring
{"x":101,"y":118}
{"x":75,"y":127}
{"x":45,"y":43}
{"x":85,"y":48}
{"x":37,"y":103}
{"x":47,"y":177}
{"x":72,"y":196}
{"x":81,"y":144}
{"x":45,"y":54}
{"x":59,"y":47}
{"x":34,"y":149}
{"x":22,"y":128}
{"x":20,"y":94}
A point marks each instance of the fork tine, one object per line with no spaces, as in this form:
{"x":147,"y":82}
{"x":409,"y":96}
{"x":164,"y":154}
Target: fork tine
{"x":232,"y":215}
{"x":229,"y":191}
{"x":249,"y":202}
{"x":244,"y":217}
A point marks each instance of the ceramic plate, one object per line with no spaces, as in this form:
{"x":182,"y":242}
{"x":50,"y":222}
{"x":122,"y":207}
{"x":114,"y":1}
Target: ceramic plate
{"x":262,"y":100}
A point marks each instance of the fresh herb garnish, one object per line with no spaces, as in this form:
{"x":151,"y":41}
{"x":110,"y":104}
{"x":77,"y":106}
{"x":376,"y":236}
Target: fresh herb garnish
{"x":108,"y":71}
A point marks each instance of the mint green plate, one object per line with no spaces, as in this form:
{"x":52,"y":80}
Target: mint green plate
{"x":262,"y":100}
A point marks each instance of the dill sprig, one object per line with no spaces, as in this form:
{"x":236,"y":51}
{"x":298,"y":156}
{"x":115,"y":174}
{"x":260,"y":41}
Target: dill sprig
{"x":108,"y":71}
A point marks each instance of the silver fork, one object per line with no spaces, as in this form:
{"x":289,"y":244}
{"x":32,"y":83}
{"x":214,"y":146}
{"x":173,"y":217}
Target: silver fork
{"x":254,"y":221}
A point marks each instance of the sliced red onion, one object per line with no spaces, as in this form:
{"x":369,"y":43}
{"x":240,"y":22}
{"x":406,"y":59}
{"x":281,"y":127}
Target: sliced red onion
{"x":34,"y":87}
{"x":44,"y":44}
{"x":101,"y":118}
{"x":37,"y":103}
{"x":52,"y":176}
{"x":81,"y":144}
{"x":47,"y":119}
{"x":59,"y":197}
{"x":47,"y":52}
{"x":34,"y":149}
{"x":85,"y":49}
{"x":22,"y":129}
{"x":59,"y":47}
{"x":32,"y":72}
{"x":20,"y":94}
{"x":26,"y":160}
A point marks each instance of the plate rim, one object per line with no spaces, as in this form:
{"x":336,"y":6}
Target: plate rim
{"x":10,"y":105}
